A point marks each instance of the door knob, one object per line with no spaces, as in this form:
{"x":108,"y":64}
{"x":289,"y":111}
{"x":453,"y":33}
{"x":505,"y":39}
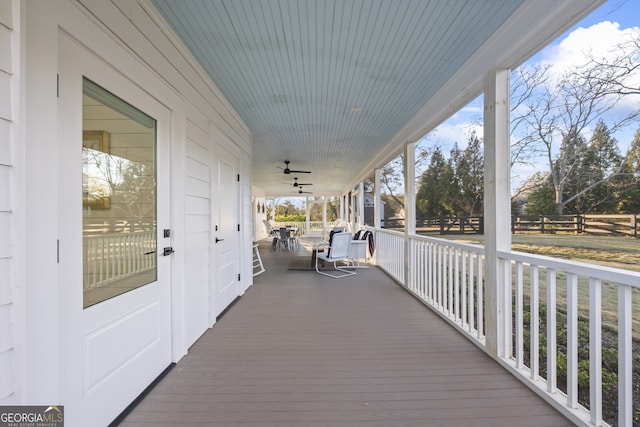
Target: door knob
{"x":219,"y":240}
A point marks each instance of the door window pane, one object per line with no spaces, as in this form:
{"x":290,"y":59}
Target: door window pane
{"x":118,"y":196}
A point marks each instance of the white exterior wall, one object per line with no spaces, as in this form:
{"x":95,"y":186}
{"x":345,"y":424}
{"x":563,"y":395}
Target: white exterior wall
{"x":177,"y":82}
{"x":246,"y":219}
{"x":198,"y":234}
{"x":9,"y":88}
{"x":259,"y":229}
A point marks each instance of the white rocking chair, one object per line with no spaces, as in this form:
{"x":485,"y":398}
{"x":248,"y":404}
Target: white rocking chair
{"x":336,"y":251}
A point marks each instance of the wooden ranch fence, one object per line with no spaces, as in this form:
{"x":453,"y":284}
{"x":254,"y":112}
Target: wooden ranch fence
{"x":599,"y":224}
{"x":622,"y":225}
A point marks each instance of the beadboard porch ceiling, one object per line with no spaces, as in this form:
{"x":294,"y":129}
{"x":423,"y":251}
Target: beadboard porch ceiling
{"x":338,"y":86}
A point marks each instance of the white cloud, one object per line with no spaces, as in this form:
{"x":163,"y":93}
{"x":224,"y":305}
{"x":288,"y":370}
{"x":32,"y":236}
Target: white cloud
{"x":446,"y":134}
{"x":599,"y":40}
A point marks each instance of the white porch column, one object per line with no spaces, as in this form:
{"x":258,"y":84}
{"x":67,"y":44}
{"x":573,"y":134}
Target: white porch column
{"x":377,"y":202}
{"x":345,"y":209}
{"x":324,"y":212}
{"x":410,"y":188}
{"x":360,"y":205}
{"x":497,"y":206}
{"x":409,"y":209}
{"x":306,"y":219}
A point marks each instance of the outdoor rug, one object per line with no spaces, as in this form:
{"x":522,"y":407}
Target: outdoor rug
{"x":303,"y":263}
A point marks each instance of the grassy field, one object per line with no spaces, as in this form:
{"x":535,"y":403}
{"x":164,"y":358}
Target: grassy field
{"x":615,"y":252}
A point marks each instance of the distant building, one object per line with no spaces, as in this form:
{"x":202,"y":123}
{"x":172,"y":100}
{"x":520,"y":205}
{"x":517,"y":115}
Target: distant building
{"x":369,"y":206}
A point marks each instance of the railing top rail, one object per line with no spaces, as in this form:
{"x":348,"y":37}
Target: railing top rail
{"x":127,"y":233}
{"x":611,"y":216}
{"x":392,"y":232}
{"x":609,"y":274}
{"x":450,"y":243}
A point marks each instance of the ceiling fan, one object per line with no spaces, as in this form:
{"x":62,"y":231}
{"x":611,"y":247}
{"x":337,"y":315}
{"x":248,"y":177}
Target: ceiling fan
{"x":303,"y":192}
{"x":288,"y":171}
{"x":298,"y":184}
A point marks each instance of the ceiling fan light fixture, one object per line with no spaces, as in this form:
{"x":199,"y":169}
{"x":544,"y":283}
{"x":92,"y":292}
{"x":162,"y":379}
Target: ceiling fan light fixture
{"x":288,"y":171}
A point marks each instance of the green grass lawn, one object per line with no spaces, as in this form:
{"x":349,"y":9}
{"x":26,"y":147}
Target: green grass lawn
{"x":616,"y":252}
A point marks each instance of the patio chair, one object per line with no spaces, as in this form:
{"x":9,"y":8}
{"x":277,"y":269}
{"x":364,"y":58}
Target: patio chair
{"x":274,"y":234}
{"x":283,"y":239}
{"x":294,"y":242}
{"x":258,"y":266}
{"x":270,"y":230}
{"x":337,"y":250}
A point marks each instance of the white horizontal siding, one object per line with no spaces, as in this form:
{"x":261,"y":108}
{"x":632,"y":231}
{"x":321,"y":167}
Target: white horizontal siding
{"x":5,"y":46}
{"x":5,"y":90}
{"x":145,"y":33}
{"x":5,"y":142}
{"x":197,"y":230}
{"x":158,"y":49}
{"x":8,"y":85}
{"x":198,"y":224}
{"x":5,"y":182}
{"x":197,"y":187}
{"x":6,"y":376}
{"x":196,"y":169}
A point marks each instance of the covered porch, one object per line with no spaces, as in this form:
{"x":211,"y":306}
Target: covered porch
{"x":303,"y":349}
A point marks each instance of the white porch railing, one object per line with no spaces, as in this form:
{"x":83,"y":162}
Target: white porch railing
{"x":448,"y":277}
{"x":316,"y":226}
{"x":301,"y":226}
{"x":112,"y":257}
{"x":390,"y":253}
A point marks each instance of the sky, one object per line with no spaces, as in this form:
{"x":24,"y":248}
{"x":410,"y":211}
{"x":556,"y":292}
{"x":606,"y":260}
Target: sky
{"x":603,"y":29}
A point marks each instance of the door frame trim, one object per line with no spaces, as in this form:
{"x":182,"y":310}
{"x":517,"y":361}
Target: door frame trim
{"x":221,"y":142}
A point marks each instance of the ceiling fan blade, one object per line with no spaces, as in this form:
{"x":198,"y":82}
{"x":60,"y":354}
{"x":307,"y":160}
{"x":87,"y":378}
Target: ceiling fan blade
{"x":288,"y":171}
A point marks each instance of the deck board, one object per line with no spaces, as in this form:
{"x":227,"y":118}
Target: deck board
{"x":301,"y":349}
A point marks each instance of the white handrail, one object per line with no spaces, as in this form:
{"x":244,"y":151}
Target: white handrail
{"x":112,"y":257}
{"x":448,"y":277}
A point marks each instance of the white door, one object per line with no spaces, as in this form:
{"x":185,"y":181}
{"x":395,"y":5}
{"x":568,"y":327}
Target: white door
{"x":114,"y":305}
{"x":225,"y":209}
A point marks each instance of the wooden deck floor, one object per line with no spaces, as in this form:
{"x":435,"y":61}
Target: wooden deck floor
{"x":301,"y":349}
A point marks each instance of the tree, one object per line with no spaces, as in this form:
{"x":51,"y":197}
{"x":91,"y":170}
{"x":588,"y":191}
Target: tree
{"x":315,"y":209}
{"x":129,"y":187}
{"x":393,"y":206}
{"x":391,"y":181}
{"x":525,"y":87}
{"x":549,"y":113}
{"x":540,"y":198}
{"x":629,"y":195}
{"x":332,"y":209}
{"x":287,"y":209}
{"x":620,"y":72}
{"x":566,"y":168}
{"x":592,"y":191}
{"x":433,"y":197}
{"x":559,"y":116}
{"x":468,"y":168}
